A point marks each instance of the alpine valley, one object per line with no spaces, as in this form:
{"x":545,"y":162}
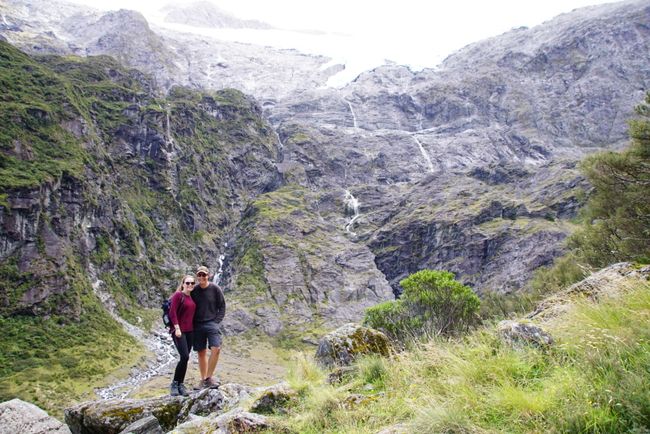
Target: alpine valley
{"x":131,"y":153}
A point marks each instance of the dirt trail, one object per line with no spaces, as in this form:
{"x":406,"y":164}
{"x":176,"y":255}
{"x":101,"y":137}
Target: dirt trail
{"x":252,"y":363}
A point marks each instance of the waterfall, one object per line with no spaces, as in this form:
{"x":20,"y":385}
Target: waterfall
{"x":217,"y":276}
{"x":281,"y":145}
{"x":424,"y":153}
{"x":351,"y":207}
{"x":354,"y":118}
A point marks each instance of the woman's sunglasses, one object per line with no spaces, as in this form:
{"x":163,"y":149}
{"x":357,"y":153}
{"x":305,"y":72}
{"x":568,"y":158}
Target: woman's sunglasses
{"x":189,"y":283}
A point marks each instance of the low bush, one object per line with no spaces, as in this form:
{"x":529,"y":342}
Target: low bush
{"x":433,"y":303}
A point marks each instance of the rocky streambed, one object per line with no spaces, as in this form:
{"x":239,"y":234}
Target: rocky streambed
{"x":162,"y":358}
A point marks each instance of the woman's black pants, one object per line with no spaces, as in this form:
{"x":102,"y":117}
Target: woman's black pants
{"x":184,"y":346}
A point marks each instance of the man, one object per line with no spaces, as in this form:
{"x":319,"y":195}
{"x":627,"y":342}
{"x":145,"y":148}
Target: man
{"x":210,"y":311}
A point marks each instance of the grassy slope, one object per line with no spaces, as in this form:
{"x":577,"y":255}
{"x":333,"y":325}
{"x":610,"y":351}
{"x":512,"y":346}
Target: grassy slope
{"x":594,"y":379}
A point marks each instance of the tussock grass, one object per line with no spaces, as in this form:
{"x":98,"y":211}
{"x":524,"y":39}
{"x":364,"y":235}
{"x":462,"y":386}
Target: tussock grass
{"x":595,"y":379}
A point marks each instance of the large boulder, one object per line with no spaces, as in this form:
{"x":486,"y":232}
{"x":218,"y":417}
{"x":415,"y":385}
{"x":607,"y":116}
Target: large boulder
{"x":114,"y":416}
{"x":345,"y":344}
{"x":22,"y":417}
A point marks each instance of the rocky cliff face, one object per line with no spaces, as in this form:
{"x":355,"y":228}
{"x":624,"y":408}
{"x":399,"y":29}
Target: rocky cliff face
{"x":104,"y":182}
{"x":469,"y":167}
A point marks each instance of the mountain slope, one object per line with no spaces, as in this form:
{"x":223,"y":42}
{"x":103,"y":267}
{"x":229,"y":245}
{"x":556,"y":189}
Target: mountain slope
{"x":469,"y":167}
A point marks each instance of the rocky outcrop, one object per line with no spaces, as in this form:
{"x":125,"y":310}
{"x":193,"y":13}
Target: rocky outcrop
{"x":609,"y":282}
{"x":345,"y":344}
{"x":17,"y":416}
{"x":295,"y":268}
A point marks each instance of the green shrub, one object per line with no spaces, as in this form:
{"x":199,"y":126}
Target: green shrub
{"x":433,"y":303}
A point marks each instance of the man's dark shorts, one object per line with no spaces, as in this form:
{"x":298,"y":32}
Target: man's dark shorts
{"x":206,"y":333}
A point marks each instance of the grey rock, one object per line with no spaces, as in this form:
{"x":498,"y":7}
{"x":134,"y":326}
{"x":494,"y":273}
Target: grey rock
{"x":516,"y":334}
{"x":240,"y":421}
{"x":209,"y":401}
{"x":235,"y":421}
{"x":146,"y":425}
{"x":345,"y":344}
{"x":18,"y":416}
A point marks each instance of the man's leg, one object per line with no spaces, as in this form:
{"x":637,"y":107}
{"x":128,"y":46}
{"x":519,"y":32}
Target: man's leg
{"x":202,"y":356}
{"x":212,"y":361}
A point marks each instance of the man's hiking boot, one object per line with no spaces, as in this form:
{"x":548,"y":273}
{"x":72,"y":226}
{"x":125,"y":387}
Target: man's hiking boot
{"x":173,"y":389}
{"x":182,"y":390}
{"x":211,"y":383}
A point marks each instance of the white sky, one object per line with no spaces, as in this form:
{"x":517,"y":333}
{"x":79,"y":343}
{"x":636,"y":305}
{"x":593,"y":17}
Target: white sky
{"x":365,"y":33}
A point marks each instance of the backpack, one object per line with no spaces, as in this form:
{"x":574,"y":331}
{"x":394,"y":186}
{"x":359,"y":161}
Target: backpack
{"x":166,"y":305}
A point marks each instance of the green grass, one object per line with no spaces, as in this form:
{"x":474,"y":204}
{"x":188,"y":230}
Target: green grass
{"x":593,"y":380}
{"x":53,"y":362}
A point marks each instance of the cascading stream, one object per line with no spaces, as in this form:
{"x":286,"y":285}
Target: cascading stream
{"x":354,"y":117}
{"x":217,"y":276}
{"x":280,"y":144}
{"x":351,"y":207}
{"x":424,"y":153}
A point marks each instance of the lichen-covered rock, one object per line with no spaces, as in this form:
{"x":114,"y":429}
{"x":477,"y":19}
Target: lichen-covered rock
{"x":147,"y":425}
{"x":274,"y":399}
{"x":517,"y":334}
{"x":20,"y":417}
{"x":113,"y":416}
{"x":345,"y":344}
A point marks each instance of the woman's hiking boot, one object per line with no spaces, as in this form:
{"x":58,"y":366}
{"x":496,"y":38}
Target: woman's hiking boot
{"x":182,"y":390}
{"x":173,"y":389}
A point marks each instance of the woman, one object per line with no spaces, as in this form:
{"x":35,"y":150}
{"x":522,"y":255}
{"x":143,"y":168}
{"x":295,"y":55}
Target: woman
{"x":181,"y":314}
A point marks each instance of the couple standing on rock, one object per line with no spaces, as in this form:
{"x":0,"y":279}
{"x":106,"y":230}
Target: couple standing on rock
{"x":195,"y":313}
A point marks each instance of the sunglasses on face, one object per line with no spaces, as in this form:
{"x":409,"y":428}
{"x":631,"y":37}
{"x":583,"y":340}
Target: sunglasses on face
{"x":201,"y":274}
{"x":189,"y":283}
